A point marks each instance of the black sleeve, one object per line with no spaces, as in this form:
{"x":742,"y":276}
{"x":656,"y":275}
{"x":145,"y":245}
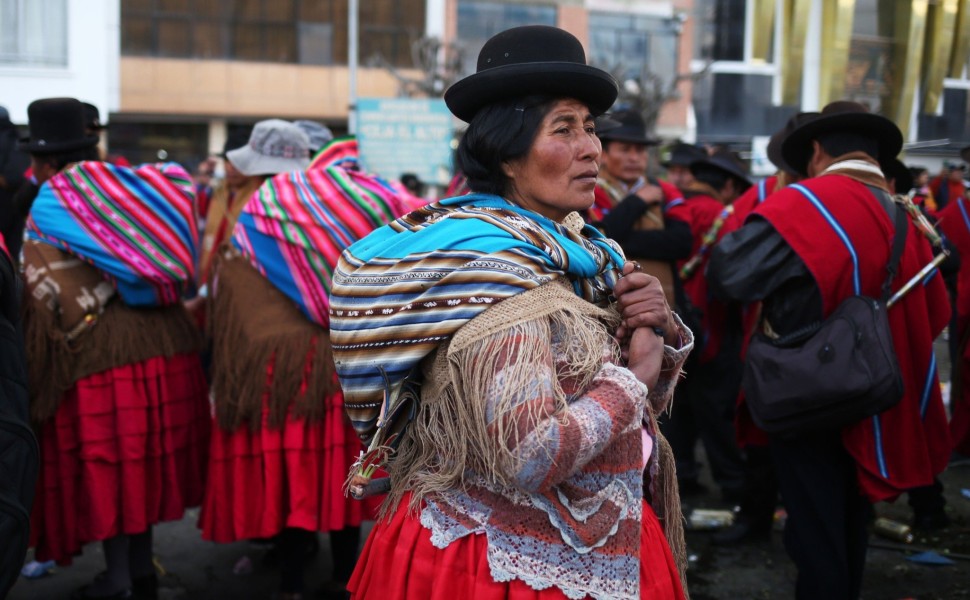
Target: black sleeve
{"x":618,"y":223}
{"x":749,"y":264}
{"x":673,"y":242}
{"x":13,"y":164}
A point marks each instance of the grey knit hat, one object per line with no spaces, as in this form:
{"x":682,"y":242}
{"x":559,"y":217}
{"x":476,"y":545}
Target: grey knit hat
{"x":275,"y":146}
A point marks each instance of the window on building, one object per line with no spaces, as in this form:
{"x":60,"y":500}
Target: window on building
{"x":953,"y":122}
{"x":33,"y":33}
{"x":628,"y":45}
{"x":478,"y":21}
{"x":720,"y":29}
{"x":310,"y":32}
{"x":735,"y":106}
{"x":184,"y":143}
{"x":869,"y":73}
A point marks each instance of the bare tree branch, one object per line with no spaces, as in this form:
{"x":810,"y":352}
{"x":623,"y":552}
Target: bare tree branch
{"x":648,"y":91}
{"x":440,"y":64}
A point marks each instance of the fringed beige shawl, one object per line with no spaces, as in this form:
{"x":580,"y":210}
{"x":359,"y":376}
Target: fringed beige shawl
{"x":460,"y":442}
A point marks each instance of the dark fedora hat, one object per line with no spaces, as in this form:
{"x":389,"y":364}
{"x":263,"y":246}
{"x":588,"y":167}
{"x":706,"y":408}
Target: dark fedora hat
{"x":681,"y":155}
{"x":723,"y":161}
{"x":840,"y":116}
{"x":774,"y":143}
{"x":533,"y":59}
{"x":895,"y":169}
{"x":56,"y":125}
{"x":605,"y":123}
{"x":631,"y":129}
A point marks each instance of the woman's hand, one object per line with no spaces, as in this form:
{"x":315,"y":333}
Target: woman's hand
{"x":642,"y":304}
{"x":646,"y":352}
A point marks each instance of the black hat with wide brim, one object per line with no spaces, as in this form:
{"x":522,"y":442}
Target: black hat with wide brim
{"x":840,"y":116}
{"x":725,"y":163}
{"x":895,"y":170}
{"x":774,"y":144}
{"x":533,"y":59}
{"x":56,"y":125}
{"x":682,"y":155}
{"x":632,"y":129}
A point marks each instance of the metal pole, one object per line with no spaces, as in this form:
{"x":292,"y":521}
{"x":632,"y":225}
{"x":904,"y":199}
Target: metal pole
{"x":352,"y":18}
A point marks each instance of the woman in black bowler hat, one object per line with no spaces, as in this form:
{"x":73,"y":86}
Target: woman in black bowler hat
{"x":508,"y":366}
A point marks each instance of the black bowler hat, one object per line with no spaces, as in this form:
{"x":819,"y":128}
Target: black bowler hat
{"x":92,"y":117}
{"x":840,"y":116}
{"x":533,"y":59}
{"x":682,"y":155}
{"x":632,"y":129}
{"x":726,"y":162}
{"x":56,"y":125}
{"x":774,"y":144}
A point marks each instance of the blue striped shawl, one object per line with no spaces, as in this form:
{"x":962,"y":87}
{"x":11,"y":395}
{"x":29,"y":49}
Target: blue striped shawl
{"x":410,"y":285}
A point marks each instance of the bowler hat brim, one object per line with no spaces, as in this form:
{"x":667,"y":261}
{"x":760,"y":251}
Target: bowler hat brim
{"x":43,"y":147}
{"x":594,"y":87}
{"x":796,"y":148}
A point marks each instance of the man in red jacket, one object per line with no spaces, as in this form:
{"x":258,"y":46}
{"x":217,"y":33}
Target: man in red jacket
{"x":816,"y":243}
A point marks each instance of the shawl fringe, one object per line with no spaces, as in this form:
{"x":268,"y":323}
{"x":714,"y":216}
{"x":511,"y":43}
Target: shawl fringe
{"x":253,"y":325}
{"x":120,"y":335}
{"x":451,"y":435}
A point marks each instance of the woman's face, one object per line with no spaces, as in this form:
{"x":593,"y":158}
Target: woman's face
{"x":558,"y":175}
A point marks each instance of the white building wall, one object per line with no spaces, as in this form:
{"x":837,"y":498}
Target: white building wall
{"x":91,"y":75}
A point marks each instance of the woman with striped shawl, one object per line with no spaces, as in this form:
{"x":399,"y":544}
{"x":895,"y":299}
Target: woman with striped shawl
{"x":117,"y":390}
{"x":281,"y":445}
{"x":506,"y":365}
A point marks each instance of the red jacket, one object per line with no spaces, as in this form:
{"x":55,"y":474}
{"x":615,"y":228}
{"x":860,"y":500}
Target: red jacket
{"x":700,"y":212}
{"x":954,"y":222}
{"x":745,"y":429}
{"x":843,"y":235}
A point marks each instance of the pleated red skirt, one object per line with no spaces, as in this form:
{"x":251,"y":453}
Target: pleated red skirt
{"x":125,"y":450}
{"x":290,"y":476}
{"x":400,"y":563}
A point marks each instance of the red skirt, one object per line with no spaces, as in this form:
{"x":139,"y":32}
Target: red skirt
{"x":400,"y":563}
{"x":290,"y":476}
{"x":125,"y":450}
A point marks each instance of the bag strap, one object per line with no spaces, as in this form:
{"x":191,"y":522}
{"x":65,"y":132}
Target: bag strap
{"x":901,"y":228}
{"x":899,"y":242}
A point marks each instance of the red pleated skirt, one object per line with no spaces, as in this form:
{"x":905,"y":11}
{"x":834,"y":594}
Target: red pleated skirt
{"x":290,"y":476}
{"x":400,"y":563}
{"x":125,"y":450}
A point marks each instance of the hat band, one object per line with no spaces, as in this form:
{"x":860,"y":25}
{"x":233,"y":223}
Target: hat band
{"x":280,"y":150}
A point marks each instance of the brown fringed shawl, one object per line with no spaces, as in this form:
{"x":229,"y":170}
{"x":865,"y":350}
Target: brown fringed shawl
{"x":75,"y":326}
{"x":253,"y":325}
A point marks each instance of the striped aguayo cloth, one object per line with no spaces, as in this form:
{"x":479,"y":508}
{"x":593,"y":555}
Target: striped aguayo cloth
{"x":409,"y":286}
{"x":136,"y":225}
{"x":295,"y":227}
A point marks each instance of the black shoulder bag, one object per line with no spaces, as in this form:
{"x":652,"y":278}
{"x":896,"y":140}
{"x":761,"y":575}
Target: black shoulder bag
{"x":833,"y":373}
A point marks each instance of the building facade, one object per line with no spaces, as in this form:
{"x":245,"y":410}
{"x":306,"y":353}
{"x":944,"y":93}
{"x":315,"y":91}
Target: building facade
{"x":174,"y":77}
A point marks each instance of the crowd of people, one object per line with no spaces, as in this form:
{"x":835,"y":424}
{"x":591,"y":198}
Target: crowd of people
{"x":305,"y":346}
